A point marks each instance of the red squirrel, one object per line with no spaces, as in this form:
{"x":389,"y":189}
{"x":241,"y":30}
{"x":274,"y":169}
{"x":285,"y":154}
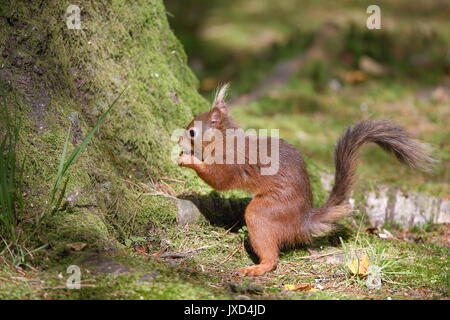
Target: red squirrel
{"x":281,"y":213}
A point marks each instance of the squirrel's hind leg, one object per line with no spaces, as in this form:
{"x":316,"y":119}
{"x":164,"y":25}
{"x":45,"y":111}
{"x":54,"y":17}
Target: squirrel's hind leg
{"x":264,"y":233}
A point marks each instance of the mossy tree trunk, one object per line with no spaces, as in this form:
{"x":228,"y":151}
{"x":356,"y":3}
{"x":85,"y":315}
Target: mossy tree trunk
{"x":57,"y":78}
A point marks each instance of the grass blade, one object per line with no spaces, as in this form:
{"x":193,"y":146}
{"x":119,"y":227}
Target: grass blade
{"x":59,"y":174}
{"x":65,"y":165}
{"x":75,"y":153}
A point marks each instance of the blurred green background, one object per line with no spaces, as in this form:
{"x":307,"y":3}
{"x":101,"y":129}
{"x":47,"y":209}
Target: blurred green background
{"x":311,"y":68}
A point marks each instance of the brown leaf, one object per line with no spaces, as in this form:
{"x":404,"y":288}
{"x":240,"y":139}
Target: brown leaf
{"x":140,"y":250}
{"x":359,"y":266}
{"x":356,"y":76}
{"x":298,"y":287}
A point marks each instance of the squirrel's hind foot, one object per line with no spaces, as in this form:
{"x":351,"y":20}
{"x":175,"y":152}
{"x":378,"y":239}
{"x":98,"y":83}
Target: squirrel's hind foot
{"x":256,"y":270}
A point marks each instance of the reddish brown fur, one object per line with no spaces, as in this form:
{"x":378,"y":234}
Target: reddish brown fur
{"x":281,"y":212}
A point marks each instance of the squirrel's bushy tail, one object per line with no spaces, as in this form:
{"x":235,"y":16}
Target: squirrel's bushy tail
{"x":387,"y":135}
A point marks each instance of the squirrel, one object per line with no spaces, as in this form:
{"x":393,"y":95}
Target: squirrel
{"x":281,"y":212}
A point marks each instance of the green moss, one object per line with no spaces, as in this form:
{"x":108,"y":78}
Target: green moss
{"x":120,"y":45}
{"x":146,"y":279}
{"x":81,"y":225}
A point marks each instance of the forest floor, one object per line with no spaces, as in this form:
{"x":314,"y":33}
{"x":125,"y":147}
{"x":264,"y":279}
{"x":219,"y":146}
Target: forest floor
{"x":311,"y":108}
{"x":199,"y":262}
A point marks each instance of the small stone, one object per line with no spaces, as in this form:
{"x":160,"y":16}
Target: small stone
{"x":98,"y":263}
{"x":188,"y":213}
{"x":245,"y":289}
{"x":392,"y":204}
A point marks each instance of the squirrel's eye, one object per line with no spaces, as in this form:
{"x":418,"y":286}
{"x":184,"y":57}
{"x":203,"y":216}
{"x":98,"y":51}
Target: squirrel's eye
{"x":192,"y":132}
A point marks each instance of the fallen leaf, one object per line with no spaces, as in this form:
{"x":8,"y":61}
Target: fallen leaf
{"x":140,"y":250}
{"x":356,"y":76}
{"x":299,"y":287}
{"x":359,"y":266}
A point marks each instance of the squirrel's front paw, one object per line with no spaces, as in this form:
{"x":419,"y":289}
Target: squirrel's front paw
{"x":187,"y":159}
{"x":183,"y":159}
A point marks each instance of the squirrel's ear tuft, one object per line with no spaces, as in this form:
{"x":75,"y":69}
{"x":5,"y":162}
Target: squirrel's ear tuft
{"x":219,"y":99}
{"x":219,"y":107}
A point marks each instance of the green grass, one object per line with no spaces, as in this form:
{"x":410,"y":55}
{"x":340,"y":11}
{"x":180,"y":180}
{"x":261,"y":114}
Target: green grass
{"x":313,"y":121}
{"x":64,"y":165}
{"x":223,"y":41}
{"x":408,"y":271}
{"x":383,"y":267}
{"x":308,"y":112}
